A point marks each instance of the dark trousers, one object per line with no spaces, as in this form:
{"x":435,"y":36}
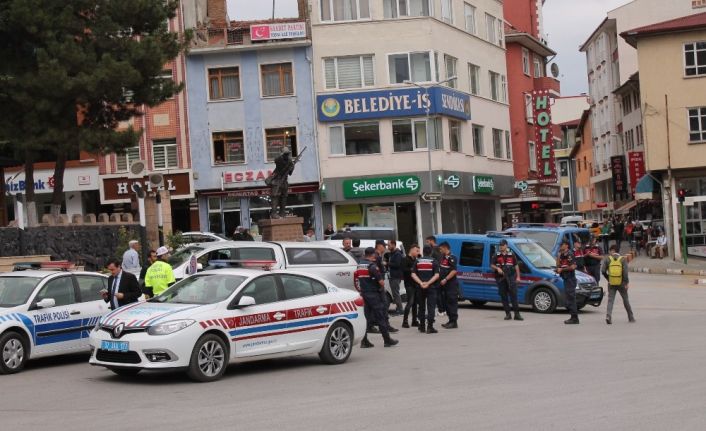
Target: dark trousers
{"x":411,"y":290}
{"x":508,"y":294}
{"x":426,"y":307}
{"x":441,"y":300}
{"x":377,"y":314}
{"x":595,"y":272}
{"x":570,"y":292}
{"x":611,"y":300}
{"x":395,"y":289}
{"x":606,"y":244}
{"x":450,"y":292}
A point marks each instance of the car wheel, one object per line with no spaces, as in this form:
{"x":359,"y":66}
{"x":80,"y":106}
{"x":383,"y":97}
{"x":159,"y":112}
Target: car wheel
{"x":479,"y":303}
{"x":209,"y":359}
{"x":125,"y":372}
{"x":337,"y":345}
{"x":14,"y":353}
{"x":543,"y":300}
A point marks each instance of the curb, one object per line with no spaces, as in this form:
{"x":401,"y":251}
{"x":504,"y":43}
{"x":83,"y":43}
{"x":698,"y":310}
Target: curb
{"x":700,"y":281}
{"x":669,"y":271}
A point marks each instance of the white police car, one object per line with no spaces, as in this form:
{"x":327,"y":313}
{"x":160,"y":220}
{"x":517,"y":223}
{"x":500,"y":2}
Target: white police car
{"x":214,"y":318}
{"x":47,"y":313}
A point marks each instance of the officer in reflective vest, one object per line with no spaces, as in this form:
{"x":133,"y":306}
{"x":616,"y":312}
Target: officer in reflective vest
{"x":426,"y":275}
{"x":507,"y":275}
{"x":371,"y":283}
{"x":566,"y":268}
{"x":449,"y":284}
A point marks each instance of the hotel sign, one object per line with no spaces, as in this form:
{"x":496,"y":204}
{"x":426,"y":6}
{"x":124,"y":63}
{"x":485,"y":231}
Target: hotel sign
{"x":403,"y":102}
{"x":546,"y":165}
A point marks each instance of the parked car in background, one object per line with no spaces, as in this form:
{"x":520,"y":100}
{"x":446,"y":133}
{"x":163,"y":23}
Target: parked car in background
{"x":363,"y":233}
{"x":201,"y":237}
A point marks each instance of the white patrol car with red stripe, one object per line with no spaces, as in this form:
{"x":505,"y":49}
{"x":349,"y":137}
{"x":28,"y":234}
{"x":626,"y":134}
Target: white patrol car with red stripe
{"x":223,"y":316}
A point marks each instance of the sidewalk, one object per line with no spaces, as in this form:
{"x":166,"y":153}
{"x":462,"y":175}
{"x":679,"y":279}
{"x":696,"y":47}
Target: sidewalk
{"x":696,"y":266}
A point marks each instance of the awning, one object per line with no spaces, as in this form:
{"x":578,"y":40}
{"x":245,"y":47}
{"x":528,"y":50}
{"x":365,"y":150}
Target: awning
{"x":646,"y":188}
{"x":626,"y":208}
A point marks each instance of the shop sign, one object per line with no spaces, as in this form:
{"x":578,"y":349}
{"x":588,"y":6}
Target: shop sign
{"x":453,"y":181}
{"x":541,"y":191}
{"x":483,"y":184}
{"x":637,"y":168}
{"x":403,"y":102}
{"x":119,"y":189}
{"x":75,"y":180}
{"x":381,"y":186}
{"x":545,"y":136}
{"x":521,"y":185}
{"x":602,"y":205}
{"x":620,"y":184}
{"x":285,"y":30}
{"x":246,"y":176}
{"x":262,"y":191}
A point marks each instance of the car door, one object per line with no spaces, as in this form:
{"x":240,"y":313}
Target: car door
{"x":476,"y":281}
{"x":307,"y":310}
{"x":261,"y":329}
{"x":57,"y":329}
{"x":332,"y":265}
{"x":91,"y":305}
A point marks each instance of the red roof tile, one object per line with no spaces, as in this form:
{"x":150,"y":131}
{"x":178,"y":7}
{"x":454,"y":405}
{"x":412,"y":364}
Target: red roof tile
{"x":684,"y":23}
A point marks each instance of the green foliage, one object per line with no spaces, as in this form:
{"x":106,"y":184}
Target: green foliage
{"x":123,"y":240}
{"x":175,"y":240}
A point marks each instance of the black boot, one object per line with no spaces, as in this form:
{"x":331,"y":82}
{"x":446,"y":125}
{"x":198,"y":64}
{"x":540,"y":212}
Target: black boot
{"x":373,"y":330}
{"x":450,"y":325}
{"x":608,"y":320}
{"x":518,"y":317}
{"x":415,"y":323}
{"x":508,"y":316}
{"x":365,"y":344}
{"x":574,"y":320}
{"x":431,"y":330}
{"x":421,"y":327}
{"x":390,"y":342}
{"x":405,"y":324}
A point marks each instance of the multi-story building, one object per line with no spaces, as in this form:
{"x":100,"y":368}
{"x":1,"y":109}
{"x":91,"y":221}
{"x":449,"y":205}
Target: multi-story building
{"x":527,"y":52}
{"x":389,"y":130}
{"x":566,"y":113}
{"x":672,"y":60}
{"x":250,"y":96}
{"x":582,"y":156}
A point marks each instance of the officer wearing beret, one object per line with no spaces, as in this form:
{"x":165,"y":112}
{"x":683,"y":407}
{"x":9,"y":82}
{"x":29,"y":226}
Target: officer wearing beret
{"x":426,"y":275}
{"x":507,"y":275}
{"x":566,"y":268}
{"x":372,"y":283}
{"x":449,"y":284}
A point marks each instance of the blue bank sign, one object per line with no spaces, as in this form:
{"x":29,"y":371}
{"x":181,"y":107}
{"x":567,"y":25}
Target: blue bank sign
{"x":403,"y":102}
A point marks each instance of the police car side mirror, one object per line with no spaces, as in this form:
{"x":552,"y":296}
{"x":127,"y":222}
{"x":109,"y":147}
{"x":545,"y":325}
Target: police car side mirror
{"x":245,"y":301}
{"x":46,"y":303}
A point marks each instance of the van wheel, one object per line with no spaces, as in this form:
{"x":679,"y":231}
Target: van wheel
{"x":209,"y":359}
{"x":14,"y":353}
{"x":478,"y":303}
{"x":543,"y":301}
{"x":338,"y":344}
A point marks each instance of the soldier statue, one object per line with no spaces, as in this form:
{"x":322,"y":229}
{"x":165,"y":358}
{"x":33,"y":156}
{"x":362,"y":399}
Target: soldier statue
{"x":279,"y":181}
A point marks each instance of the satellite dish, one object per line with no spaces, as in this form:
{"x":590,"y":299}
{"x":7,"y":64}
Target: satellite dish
{"x":137,"y":168}
{"x":554,"y":68}
{"x":156,"y":180}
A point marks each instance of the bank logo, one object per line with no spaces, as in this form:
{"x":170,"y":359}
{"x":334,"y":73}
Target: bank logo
{"x":412,"y":184}
{"x":330,"y":107}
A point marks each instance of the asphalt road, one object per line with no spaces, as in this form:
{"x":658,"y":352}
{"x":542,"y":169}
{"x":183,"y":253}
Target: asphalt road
{"x":490,"y":374}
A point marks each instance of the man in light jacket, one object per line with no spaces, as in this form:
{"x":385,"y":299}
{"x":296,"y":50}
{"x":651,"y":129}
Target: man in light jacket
{"x":131,"y":258}
{"x":614,"y":287}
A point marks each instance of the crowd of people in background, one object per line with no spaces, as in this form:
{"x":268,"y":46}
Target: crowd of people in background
{"x":651,"y":238}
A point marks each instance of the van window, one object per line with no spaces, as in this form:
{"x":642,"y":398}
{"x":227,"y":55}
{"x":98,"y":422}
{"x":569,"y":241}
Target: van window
{"x":472,"y":254}
{"x":315,"y":256}
{"x":520,"y":262}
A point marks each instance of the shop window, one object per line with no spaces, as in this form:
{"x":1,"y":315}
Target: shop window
{"x":355,"y":138}
{"x":123,"y":161}
{"x":228,"y":147}
{"x":408,"y":135}
{"x":455,"y":136}
{"x":277,"y":80}
{"x":414,"y":66}
{"x":164,"y":154}
{"x":224,"y":83}
{"x":472,"y":254}
{"x":277,"y":139}
{"x":349,"y":72}
{"x":478,"y":140}
{"x":344,"y":10}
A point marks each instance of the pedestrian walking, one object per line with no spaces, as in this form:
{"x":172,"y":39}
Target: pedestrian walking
{"x":160,"y":275}
{"x":448,"y":274}
{"x":372,"y":283}
{"x":395,"y":274}
{"x":123,"y":287}
{"x":426,"y":275}
{"x":592,"y":260}
{"x":615,"y":270}
{"x":408,"y":264}
{"x":566,"y":268}
{"x":507,"y":275}
{"x":131,"y":258}
{"x":619,"y":229}
{"x":605,"y":235}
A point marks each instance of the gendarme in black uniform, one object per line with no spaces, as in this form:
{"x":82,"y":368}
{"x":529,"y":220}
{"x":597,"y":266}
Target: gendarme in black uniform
{"x":449,"y":285}
{"x":507,"y":281}
{"x":426,"y":269}
{"x":567,"y":263}
{"x":371,"y":283}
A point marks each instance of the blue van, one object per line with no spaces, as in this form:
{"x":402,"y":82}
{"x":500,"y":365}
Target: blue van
{"x":540,"y":286}
{"x":551,"y":236}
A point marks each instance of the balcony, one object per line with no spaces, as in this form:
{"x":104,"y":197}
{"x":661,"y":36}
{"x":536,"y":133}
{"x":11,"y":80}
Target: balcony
{"x":547,"y":83}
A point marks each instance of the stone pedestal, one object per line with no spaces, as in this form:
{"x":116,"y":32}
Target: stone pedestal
{"x":282,"y":229}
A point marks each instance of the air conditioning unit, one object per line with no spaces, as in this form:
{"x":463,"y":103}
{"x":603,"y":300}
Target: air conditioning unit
{"x":156,"y":180}
{"x":138,"y":169}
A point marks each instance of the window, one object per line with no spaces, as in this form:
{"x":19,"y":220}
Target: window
{"x":263,"y":290}
{"x":451,"y":70}
{"x":508,"y":146}
{"x":538,"y":67}
{"x":415,"y":66}
{"x":498,"y":87}
{"x":395,"y":8}
{"x":564,"y":168}
{"x":91,"y":286}
{"x":478,"y":140}
{"x":447,"y":13}
{"x":315,"y":256}
{"x":344,"y":10}
{"x":567,"y":196}
{"x":503,"y":89}
{"x":697,"y":124}
{"x":528,"y":108}
{"x":469,"y":13}
{"x":497,"y":143}
{"x":277,"y":139}
{"x":695,"y":58}
{"x":410,"y":135}
{"x":491,"y":29}
{"x":277,"y":80}
{"x":472,"y":254}
{"x":164,"y":154}
{"x":228,"y":147}
{"x":123,"y":161}
{"x":224,"y":83}
{"x":532,"y":156}
{"x":300,"y":287}
{"x":355,"y":138}
{"x":474,"y":78}
{"x":455,"y":135}
{"x":349,"y":72}
{"x":61,"y":290}
{"x":526,"y":61}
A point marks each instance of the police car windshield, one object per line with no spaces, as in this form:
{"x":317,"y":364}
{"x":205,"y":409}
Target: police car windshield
{"x":16,"y":291}
{"x":183,"y":255}
{"x":201,"y":289}
{"x":545,"y":239}
{"x":538,"y":256}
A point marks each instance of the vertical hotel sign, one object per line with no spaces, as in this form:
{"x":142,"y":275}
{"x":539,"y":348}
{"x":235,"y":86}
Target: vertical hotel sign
{"x":544,"y":136}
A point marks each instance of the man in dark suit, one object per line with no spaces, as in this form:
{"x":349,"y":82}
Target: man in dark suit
{"x":123,"y":287}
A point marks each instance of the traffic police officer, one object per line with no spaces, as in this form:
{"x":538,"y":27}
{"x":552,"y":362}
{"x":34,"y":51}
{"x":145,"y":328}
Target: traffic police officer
{"x":449,"y":284}
{"x":426,"y":275}
{"x":566,"y":268}
{"x":371,"y":283}
{"x":507,"y":275}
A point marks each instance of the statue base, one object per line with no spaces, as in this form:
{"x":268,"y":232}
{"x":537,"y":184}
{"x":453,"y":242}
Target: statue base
{"x":282,"y":229}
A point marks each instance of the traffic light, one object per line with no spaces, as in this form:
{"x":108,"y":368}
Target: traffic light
{"x":681,"y":194}
{"x":535,"y":205}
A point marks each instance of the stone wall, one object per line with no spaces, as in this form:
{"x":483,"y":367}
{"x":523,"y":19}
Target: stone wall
{"x":91,"y":245}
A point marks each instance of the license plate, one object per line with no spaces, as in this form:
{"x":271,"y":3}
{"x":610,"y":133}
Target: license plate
{"x":115,"y":346}
{"x":595,"y":295}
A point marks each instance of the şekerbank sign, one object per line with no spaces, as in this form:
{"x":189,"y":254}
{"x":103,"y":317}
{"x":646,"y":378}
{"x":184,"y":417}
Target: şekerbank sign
{"x":381,"y":186}
{"x":403,"y":102}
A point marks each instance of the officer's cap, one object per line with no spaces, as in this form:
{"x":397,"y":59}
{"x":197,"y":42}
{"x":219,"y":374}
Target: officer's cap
{"x":369,"y":251}
{"x":503,"y":242}
{"x":445,"y":245}
{"x":426,"y":250}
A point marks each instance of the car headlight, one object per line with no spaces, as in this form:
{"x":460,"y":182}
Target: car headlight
{"x":171,"y":327}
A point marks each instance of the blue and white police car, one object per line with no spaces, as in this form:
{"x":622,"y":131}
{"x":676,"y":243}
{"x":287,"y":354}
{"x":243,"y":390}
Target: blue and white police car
{"x":217,"y":317}
{"x":47,"y":313}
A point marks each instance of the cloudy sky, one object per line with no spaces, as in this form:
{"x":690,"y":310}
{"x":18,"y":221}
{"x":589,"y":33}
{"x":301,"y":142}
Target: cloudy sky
{"x":260,"y":9}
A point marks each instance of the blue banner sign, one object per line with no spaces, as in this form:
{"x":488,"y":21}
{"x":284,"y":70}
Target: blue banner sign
{"x":402,"y":102}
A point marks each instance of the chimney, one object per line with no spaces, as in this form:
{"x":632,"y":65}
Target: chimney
{"x":216,"y":13}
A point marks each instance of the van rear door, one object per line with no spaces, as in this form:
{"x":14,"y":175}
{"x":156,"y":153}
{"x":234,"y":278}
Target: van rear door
{"x":475,"y":279}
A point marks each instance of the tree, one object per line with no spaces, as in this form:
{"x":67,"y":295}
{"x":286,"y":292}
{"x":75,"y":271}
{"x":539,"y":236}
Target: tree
{"x":71,"y":71}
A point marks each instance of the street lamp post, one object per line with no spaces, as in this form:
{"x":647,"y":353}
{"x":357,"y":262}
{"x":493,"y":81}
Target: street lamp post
{"x":432,"y":206}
